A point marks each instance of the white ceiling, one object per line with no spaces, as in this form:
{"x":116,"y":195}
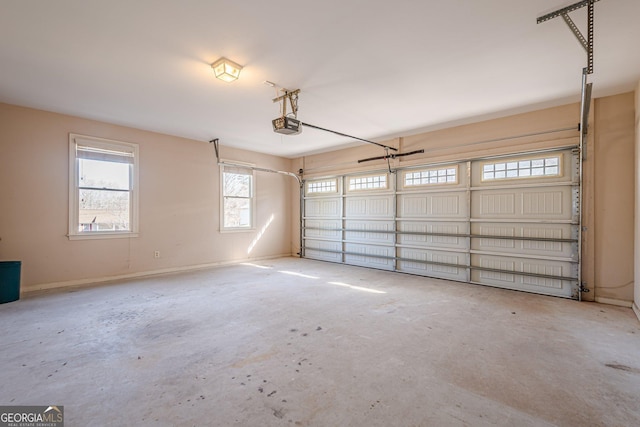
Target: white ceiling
{"x":370,"y":68}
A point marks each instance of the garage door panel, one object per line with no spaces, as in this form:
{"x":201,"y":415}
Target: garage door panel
{"x":446,"y":205}
{"x":325,"y":207}
{"x":433,"y":270}
{"x":441,"y":241}
{"x":368,"y":233}
{"x":506,"y":265}
{"x":324,"y":229}
{"x":526,"y":247}
{"x":316,"y":249}
{"x":550,"y":203}
{"x":373,"y":256}
{"x":370,"y":207}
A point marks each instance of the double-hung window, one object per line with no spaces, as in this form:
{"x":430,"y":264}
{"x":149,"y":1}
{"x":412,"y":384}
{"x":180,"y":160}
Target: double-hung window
{"x":103,"y":188}
{"x":237,"y":198}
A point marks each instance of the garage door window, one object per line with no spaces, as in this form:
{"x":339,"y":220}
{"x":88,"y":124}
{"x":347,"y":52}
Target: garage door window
{"x":325,"y":186}
{"x":431,"y":176}
{"x":522,"y":168}
{"x":373,"y":182}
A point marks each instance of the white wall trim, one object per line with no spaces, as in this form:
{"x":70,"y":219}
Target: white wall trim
{"x":636,"y":310}
{"x":611,"y":301}
{"x":97,"y":280}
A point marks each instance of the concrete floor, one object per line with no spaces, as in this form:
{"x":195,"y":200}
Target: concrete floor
{"x":305,"y":343}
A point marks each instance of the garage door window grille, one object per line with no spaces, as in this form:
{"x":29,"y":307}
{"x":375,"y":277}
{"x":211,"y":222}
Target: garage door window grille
{"x":373,"y":182}
{"x":523,"y":168}
{"x":325,"y":186}
{"x":431,"y":177}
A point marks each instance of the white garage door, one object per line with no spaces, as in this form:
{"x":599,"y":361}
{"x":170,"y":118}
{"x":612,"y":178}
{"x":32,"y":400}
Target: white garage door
{"x":531,"y":203}
{"x":510,"y":222}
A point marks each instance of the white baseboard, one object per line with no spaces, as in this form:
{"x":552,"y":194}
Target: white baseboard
{"x":95,"y":280}
{"x":611,"y":301}
{"x":636,"y":310}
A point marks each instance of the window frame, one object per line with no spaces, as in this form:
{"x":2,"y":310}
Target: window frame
{"x":333,"y":186}
{"x":530,"y":159}
{"x":74,"y":187}
{"x":364,"y":177}
{"x":428,"y":170}
{"x":252,"y":198}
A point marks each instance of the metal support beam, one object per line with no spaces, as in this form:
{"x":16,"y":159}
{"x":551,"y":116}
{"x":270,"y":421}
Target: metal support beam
{"x":292,"y":97}
{"x":576,"y":31}
{"x":586,"y":43}
{"x":585,"y":104}
{"x":590,"y":36}
{"x":287,"y":94}
{"x":570,"y":8}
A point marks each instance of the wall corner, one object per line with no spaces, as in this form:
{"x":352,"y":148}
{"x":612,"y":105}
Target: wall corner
{"x":636,"y":285}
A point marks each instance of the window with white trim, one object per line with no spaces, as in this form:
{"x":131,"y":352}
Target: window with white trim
{"x":372,"y":182}
{"x":448,"y":175}
{"x":103,"y":188}
{"x":522,"y":168}
{"x":324,"y":186}
{"x":237,"y":198}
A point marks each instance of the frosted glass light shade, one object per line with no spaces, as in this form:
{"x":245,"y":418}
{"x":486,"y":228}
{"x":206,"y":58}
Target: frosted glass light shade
{"x":226,"y":70}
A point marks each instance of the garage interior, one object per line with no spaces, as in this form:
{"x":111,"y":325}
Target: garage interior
{"x":450,"y":239}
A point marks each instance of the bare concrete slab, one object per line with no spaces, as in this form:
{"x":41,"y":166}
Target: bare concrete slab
{"x":306,"y":343}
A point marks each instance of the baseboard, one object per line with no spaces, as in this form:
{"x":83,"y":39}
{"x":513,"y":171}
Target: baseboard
{"x":636,"y":310}
{"x":611,"y":301}
{"x":95,"y":280}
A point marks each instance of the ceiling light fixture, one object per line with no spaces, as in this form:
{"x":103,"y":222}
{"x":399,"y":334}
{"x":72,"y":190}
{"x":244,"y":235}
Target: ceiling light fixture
{"x":226,"y":70}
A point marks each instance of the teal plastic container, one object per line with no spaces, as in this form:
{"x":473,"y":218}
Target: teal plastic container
{"x":9,"y":281}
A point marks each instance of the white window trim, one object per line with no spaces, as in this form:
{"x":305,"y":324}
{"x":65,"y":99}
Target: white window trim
{"x":74,"y":203}
{"x":253,"y":197}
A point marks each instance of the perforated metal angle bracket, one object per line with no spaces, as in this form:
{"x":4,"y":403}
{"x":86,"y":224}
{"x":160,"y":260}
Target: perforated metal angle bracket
{"x":586,"y":43}
{"x":292,"y":97}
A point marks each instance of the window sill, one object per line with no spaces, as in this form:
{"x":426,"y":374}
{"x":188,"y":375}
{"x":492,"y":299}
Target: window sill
{"x":237,"y":230}
{"x":98,"y":235}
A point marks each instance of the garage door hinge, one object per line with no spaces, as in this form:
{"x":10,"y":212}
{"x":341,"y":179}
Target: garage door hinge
{"x":583,"y":288}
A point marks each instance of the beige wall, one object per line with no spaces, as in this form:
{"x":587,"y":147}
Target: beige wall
{"x":636,"y":294}
{"x":460,"y":142}
{"x":608,"y":181}
{"x":179,"y":203}
{"x":614,"y":197}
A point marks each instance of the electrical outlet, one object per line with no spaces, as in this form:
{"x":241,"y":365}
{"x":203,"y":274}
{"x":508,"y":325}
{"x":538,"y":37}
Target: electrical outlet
{"x":156,"y":254}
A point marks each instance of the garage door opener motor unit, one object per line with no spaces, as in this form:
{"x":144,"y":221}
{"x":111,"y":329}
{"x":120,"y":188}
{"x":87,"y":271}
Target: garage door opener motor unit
{"x":285,"y":124}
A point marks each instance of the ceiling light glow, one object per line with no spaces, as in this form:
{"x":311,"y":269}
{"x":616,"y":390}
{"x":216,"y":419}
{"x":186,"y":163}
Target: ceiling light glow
{"x":226,"y":70}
